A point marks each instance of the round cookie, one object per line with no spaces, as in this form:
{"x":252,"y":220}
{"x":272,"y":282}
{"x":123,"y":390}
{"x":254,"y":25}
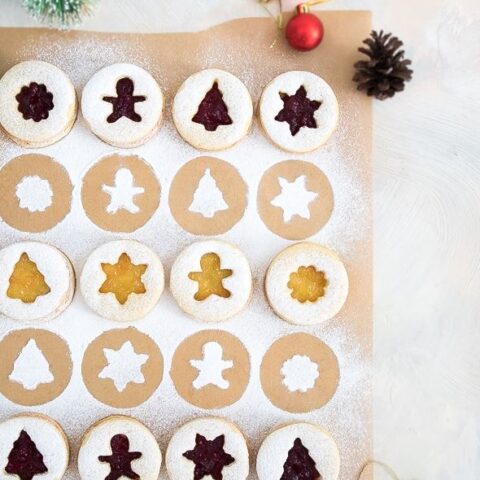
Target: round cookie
{"x":35,"y":445}
{"x":38,"y":104}
{"x":212,"y":110}
{"x":298,"y":111}
{"x":210,"y":448}
{"x":122,"y":280}
{"x":123,"y":105}
{"x":211,"y":280}
{"x":36,"y":281}
{"x":282,"y":452}
{"x":119,"y":447}
{"x":306,"y":284}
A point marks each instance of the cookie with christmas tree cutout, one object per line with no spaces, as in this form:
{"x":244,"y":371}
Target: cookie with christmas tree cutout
{"x":36,"y":281}
{"x":122,"y":280}
{"x":298,"y":111}
{"x":38,"y":104}
{"x":306,"y":284}
{"x":211,"y":280}
{"x":123,"y":105}
{"x":207,"y":448}
{"x":212,"y":110}
{"x":298,"y":451}
{"x":32,"y":447}
{"x":119,"y":447}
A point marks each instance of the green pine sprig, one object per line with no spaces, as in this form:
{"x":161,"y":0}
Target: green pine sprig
{"x":60,"y":12}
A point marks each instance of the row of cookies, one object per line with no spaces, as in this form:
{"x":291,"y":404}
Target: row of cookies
{"x":211,"y":280}
{"x":33,"y":445}
{"x":123,"y":105}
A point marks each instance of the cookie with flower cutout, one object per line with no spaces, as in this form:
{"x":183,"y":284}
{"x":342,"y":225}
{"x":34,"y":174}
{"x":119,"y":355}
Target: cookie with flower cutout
{"x":212,"y":110}
{"x":207,"y":448}
{"x":33,"y":446}
{"x":211,"y":280}
{"x":36,"y":281}
{"x":122,"y":280}
{"x":298,"y":111}
{"x":119,"y":447}
{"x":123,"y":105}
{"x":38,"y":104}
{"x":306,"y":284}
{"x":298,"y":450}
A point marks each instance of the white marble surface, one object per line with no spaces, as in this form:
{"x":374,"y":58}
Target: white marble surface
{"x":427,"y":219}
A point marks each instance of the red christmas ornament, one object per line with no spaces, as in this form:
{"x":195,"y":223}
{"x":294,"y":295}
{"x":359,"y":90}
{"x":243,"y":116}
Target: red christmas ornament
{"x":304,"y":30}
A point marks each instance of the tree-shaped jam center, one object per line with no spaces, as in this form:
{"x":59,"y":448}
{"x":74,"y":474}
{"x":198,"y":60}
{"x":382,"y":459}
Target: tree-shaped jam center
{"x":298,"y":110}
{"x":34,"y":102}
{"x":121,"y":459}
{"x":25,"y":460}
{"x":307,"y":284}
{"x":210,"y":279}
{"x":123,"y":278}
{"x":209,"y":457}
{"x":124,"y":103}
{"x":212,"y":111}
{"x":299,"y":464}
{"x":26,"y":283}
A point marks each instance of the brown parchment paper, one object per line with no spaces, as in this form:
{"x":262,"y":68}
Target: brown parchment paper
{"x":243,"y":48}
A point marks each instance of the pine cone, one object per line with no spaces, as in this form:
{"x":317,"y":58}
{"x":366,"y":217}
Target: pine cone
{"x":386,"y":72}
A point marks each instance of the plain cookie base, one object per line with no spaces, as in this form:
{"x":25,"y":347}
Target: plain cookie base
{"x":273,"y":452}
{"x":106,"y":304}
{"x":48,"y":436}
{"x":96,"y":442}
{"x":213,"y":309}
{"x":183,"y":440}
{"x":288,"y":261}
{"x":44,"y":308}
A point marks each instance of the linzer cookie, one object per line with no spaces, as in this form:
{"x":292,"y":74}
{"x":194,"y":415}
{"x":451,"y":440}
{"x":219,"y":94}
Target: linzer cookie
{"x":207,"y":448}
{"x":119,"y":447}
{"x":38,"y":104}
{"x":306,"y":284}
{"x":36,"y":281}
{"x":212,"y":110}
{"x":298,"y":451}
{"x":299,"y":111}
{"x":32,"y":446}
{"x":122,"y":280}
{"x":123,"y":104}
{"x":211,"y":280}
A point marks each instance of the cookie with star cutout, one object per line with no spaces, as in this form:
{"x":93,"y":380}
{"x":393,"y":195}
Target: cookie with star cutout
{"x":33,"y":446}
{"x":119,"y":447}
{"x":38,"y":104}
{"x":211,"y":280}
{"x":122,"y":280}
{"x":123,"y":105}
{"x":212,"y":110}
{"x":207,"y":448}
{"x":306,"y":284}
{"x":36,"y":281}
{"x":298,"y":111}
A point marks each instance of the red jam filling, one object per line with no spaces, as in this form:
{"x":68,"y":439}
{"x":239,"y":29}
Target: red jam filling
{"x":124,"y":103}
{"x":121,"y":459}
{"x":212,"y":111}
{"x":34,"y":102}
{"x":300,"y":465}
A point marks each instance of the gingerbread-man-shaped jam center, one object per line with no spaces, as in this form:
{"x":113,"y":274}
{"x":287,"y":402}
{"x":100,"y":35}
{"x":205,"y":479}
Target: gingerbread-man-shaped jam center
{"x":299,"y":464}
{"x":212,"y":111}
{"x":124,"y":103}
{"x":35,"y":102}
{"x":210,"y":279}
{"x":298,"y":110}
{"x":121,"y":459}
{"x":307,"y":284}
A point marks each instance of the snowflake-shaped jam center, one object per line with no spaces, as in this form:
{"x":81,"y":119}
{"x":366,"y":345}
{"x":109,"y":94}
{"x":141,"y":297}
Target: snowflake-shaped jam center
{"x":307,"y":284}
{"x":35,"y":102}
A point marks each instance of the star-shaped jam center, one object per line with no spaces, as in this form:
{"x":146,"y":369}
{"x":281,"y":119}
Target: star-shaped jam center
{"x":307,"y":284}
{"x":209,"y":457}
{"x":121,"y":459}
{"x":34,"y":102}
{"x":298,"y":110}
{"x":210,"y":279}
{"x":123,"y":278}
{"x":212,"y":111}
{"x":124,"y":103}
